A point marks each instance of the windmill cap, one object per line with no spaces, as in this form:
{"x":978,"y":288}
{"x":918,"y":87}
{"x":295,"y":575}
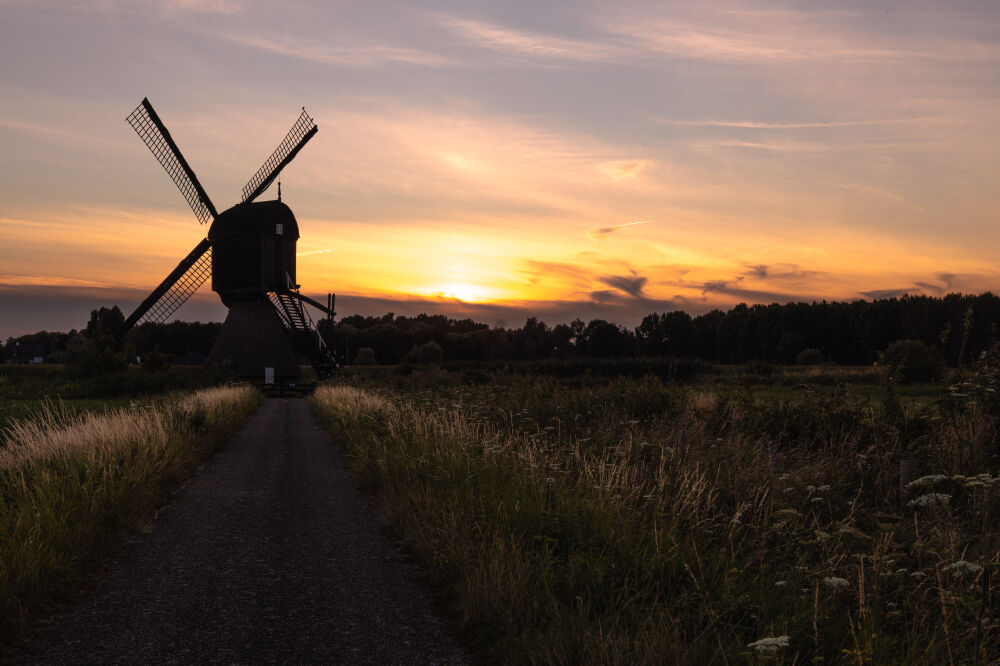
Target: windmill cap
{"x":255,"y":219}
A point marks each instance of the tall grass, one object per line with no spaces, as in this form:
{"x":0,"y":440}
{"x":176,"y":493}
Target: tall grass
{"x":73,"y":486}
{"x":631,"y":522}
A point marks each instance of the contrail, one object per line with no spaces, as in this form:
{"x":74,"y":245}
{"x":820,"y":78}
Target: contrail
{"x":597,"y":234}
{"x":302,"y":254}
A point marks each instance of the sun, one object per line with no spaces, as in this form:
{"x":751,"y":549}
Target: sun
{"x":463,"y":291}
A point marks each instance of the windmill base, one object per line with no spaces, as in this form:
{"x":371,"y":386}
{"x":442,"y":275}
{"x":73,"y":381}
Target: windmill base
{"x":254,"y":343}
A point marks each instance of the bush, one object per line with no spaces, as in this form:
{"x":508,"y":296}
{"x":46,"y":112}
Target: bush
{"x":366,"y":356}
{"x":426,"y":353}
{"x":809,"y":357}
{"x":912,"y":361}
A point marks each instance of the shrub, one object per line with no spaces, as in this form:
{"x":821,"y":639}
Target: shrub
{"x":912,"y":361}
{"x":809,"y":356}
{"x":426,"y":353}
{"x":366,"y":356}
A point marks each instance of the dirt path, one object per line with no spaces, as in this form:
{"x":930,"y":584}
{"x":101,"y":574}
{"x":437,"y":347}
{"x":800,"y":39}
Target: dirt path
{"x":269,"y":555}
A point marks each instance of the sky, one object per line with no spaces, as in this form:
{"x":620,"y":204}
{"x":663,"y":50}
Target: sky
{"x":507,"y":159}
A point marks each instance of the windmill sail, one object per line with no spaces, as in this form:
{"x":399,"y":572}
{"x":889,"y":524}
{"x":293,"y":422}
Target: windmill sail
{"x":303,"y":130}
{"x":183,"y":281}
{"x":150,"y":129}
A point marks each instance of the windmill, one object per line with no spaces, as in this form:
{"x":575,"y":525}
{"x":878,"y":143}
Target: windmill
{"x":249,"y":253}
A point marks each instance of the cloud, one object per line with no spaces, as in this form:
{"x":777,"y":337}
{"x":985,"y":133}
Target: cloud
{"x":876,"y":294}
{"x":620,"y":170}
{"x":347,"y":55}
{"x":927,"y":286}
{"x":631,"y":285}
{"x":601,"y":232}
{"x":749,"y":124}
{"x":777,"y":272}
{"x":947,"y":278}
{"x":788,"y":37}
{"x":528,"y":44}
{"x":726,"y":287}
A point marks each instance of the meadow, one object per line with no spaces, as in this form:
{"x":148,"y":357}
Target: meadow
{"x":806,"y":516}
{"x":78,"y":478}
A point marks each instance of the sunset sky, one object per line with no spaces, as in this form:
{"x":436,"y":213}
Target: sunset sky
{"x":506,"y":159}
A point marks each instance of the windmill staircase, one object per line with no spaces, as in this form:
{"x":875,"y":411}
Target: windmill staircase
{"x":289,"y":304}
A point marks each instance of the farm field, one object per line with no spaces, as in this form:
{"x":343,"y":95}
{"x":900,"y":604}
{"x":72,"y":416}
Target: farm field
{"x":788,"y":516}
{"x":27,"y":389}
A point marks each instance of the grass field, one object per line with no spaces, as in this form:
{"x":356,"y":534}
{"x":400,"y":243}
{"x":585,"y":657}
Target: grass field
{"x":77,"y":479}
{"x":732,"y":518}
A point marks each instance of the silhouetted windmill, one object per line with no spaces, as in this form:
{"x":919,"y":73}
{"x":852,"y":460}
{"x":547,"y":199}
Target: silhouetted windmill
{"x":250,"y":255}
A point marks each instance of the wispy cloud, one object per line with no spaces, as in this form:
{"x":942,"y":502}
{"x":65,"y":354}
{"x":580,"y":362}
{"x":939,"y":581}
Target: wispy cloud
{"x":526,"y":44}
{"x":875,"y":294}
{"x":346,"y":55}
{"x":774,"y":37}
{"x":601,"y":232}
{"x":758,"y":125}
{"x":620,"y":170}
{"x":629,"y":284}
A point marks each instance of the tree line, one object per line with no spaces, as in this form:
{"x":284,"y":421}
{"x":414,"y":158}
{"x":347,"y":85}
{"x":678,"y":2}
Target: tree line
{"x":842,"y":332}
{"x":959,"y":326}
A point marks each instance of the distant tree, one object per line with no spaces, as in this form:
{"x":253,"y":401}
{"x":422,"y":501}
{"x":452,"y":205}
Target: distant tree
{"x":913,"y":361}
{"x":365,"y":356}
{"x":809,"y":356}
{"x":104,"y":322}
{"x":667,"y":334}
{"x":426,"y":353}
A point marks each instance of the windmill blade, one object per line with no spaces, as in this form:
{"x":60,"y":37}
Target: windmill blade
{"x":150,"y":129}
{"x":303,"y":130}
{"x":183,"y":281}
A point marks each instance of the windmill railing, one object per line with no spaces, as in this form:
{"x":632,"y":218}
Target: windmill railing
{"x":293,"y":289}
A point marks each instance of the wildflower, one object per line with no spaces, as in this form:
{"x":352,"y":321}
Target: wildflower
{"x":780,"y":583}
{"x":810,"y":489}
{"x":824,"y":489}
{"x":816,"y":499}
{"x":919,"y":575}
{"x":927,"y":481}
{"x":821,"y":536}
{"x":961,"y":568}
{"x":931,"y":499}
{"x":550,"y":481}
{"x":769,"y":644}
{"x":836,"y":583}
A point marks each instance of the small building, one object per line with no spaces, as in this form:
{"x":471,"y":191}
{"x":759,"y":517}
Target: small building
{"x":24,"y":354}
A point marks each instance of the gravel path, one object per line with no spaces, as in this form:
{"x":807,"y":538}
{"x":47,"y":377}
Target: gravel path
{"x":269,"y":555}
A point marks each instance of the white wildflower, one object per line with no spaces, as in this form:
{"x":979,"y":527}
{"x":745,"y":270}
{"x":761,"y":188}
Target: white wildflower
{"x":769,"y":644}
{"x":821,"y":536}
{"x":810,"y":489}
{"x":927,"y":481}
{"x":836,"y":583}
{"x":919,"y":575}
{"x":961,"y":568}
{"x":780,"y":583}
{"x":931,"y":499}
{"x":824,"y":489}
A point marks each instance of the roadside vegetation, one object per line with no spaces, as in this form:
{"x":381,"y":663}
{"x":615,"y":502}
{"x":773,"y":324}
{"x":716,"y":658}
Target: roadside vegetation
{"x":74,"y":484}
{"x":598,"y":519}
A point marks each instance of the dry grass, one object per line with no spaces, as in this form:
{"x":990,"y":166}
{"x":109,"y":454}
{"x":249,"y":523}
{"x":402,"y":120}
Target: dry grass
{"x":634,"y":523}
{"x":74,"y":485}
